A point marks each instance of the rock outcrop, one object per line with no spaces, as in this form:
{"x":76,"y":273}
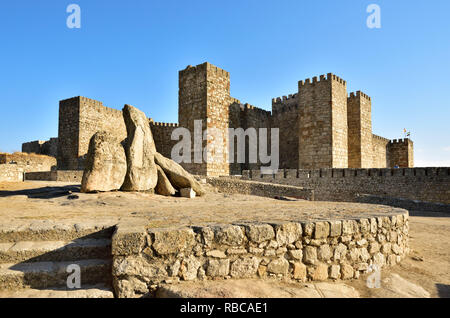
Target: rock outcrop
{"x":134,"y":166}
{"x":164,"y":187}
{"x":106,"y":164}
{"x":179,"y":177}
{"x":140,"y":150}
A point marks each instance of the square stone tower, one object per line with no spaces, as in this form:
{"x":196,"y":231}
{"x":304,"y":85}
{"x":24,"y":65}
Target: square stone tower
{"x":79,"y":119}
{"x":359,"y":116}
{"x":401,"y":153}
{"x":323,"y":128}
{"x":204,"y":94}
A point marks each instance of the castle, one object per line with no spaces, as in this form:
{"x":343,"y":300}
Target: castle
{"x":320,"y":125}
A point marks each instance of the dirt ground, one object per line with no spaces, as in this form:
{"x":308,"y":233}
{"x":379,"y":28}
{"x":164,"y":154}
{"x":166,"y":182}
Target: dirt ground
{"x":428,"y":264}
{"x":54,"y":201}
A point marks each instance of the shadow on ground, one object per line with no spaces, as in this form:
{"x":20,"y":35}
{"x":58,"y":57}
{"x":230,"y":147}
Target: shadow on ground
{"x":443,"y":290}
{"x":43,"y":193}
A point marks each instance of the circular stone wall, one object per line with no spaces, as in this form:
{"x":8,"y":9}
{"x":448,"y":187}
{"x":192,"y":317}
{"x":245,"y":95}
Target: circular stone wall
{"x":303,"y":250}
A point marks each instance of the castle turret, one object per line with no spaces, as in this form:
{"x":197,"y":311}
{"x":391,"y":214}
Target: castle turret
{"x":401,"y":153}
{"x":359,"y":117}
{"x":323,"y":131}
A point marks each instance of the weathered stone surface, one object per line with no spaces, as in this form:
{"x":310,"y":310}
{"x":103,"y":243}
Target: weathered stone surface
{"x":322,"y":230}
{"x":348,"y":227}
{"x":216,"y":254}
{"x":296,"y":254}
{"x":187,"y":193}
{"x":335,"y":271}
{"x":137,"y":266}
{"x":288,"y":233}
{"x":178,"y":177}
{"x":320,"y":273}
{"x":218,"y":268}
{"x":173,"y":240}
{"x":163,"y":186}
{"x":310,"y":255}
{"x":278,"y":266}
{"x":379,"y":259}
{"x":245,"y":267}
{"x":399,"y":287}
{"x":229,"y":235}
{"x":374,"y":247}
{"x":189,"y":268}
{"x":299,"y":271}
{"x":325,"y":253}
{"x":346,"y":271}
{"x":251,"y":288}
{"x":128,"y":240}
{"x":335,"y":228}
{"x":260,"y":232}
{"x":106,"y":164}
{"x":340,"y":251}
{"x":140,"y":150}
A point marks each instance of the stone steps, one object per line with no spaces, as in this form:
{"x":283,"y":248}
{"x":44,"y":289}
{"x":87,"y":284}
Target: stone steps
{"x":94,"y":291}
{"x":55,"y":251}
{"x":46,"y":230}
{"x":40,"y":275}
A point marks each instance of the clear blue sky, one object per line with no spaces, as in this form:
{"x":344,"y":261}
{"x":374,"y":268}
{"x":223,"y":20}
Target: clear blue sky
{"x":131,"y":52}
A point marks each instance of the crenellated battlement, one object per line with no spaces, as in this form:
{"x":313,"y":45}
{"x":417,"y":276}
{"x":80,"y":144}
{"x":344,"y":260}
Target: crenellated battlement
{"x":322,"y":78}
{"x":380,"y":138}
{"x":348,"y":173}
{"x":203,"y":68}
{"x":161,"y":124}
{"x":400,"y":141}
{"x":359,"y":94}
{"x":284,"y":103}
{"x":423,"y":184}
{"x":284,"y":99}
{"x":248,"y":107}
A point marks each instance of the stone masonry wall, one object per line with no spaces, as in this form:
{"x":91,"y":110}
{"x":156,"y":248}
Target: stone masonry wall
{"x":11,"y":173}
{"x":285,"y":116}
{"x":424,"y":184}
{"x":48,"y":148}
{"x":401,"y":153}
{"x":95,"y":117}
{"x":320,"y":127}
{"x":162,"y":133}
{"x":380,"y":153}
{"x":68,"y":133}
{"x":29,"y":162}
{"x":339,"y":125}
{"x":232,"y":185}
{"x":305,"y":251}
{"x":359,"y":116}
{"x":192,"y":102}
{"x":323,"y":122}
{"x":79,"y":119}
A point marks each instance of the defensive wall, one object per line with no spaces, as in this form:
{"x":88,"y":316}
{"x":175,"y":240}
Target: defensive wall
{"x":320,"y":126}
{"x":424,"y":184}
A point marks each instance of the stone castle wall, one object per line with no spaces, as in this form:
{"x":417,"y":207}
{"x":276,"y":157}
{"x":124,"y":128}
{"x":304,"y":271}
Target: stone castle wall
{"x":424,"y":184}
{"x":323,"y":123}
{"x":401,"y":153}
{"x":285,"y":116}
{"x":380,"y":154}
{"x":11,"y":173}
{"x":28,"y":162}
{"x":319,"y":127}
{"x":162,"y":134}
{"x":48,"y":148}
{"x":359,"y":117}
